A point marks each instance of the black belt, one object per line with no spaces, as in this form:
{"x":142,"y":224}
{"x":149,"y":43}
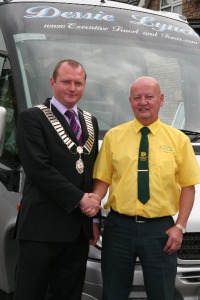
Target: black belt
{"x":139,"y":219}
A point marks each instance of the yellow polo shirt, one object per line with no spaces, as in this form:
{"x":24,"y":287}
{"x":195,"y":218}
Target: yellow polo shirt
{"x":172,"y":164}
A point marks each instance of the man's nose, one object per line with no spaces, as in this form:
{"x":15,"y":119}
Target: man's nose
{"x":72,"y":86}
{"x":143,"y":100}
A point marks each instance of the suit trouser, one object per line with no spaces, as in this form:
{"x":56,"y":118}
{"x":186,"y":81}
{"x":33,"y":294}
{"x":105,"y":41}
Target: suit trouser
{"x":123,"y":241}
{"x":60,"y":267}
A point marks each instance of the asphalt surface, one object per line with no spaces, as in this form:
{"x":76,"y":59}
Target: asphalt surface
{"x":4,"y":296}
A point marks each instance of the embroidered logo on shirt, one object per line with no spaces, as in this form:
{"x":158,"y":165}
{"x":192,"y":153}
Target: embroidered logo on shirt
{"x":166,"y":149}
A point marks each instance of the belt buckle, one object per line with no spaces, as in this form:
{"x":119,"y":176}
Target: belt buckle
{"x":138,"y":221}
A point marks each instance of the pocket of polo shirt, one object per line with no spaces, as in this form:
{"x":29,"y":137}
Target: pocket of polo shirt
{"x":165,"y":165}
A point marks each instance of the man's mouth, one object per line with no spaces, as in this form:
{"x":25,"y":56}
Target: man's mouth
{"x":143,"y":109}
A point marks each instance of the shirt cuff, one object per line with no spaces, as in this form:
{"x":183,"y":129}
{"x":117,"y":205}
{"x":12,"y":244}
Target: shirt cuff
{"x":95,"y":220}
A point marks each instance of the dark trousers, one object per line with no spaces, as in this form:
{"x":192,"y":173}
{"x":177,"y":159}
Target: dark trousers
{"x":58,"y":267}
{"x":123,"y":241}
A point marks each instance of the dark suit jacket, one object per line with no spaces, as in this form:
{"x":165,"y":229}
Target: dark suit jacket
{"x":49,"y":208}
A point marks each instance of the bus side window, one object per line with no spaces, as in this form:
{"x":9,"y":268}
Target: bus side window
{"x":8,"y":101}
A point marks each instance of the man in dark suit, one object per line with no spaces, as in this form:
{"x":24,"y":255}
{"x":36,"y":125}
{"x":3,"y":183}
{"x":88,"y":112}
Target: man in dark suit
{"x":52,"y":228}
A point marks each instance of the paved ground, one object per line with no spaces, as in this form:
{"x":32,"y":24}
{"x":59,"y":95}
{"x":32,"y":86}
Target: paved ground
{"x":4,"y":296}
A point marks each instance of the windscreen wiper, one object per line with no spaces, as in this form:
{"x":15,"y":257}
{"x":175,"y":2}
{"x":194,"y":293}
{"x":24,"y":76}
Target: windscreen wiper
{"x":193,"y":135}
{"x":3,"y":54}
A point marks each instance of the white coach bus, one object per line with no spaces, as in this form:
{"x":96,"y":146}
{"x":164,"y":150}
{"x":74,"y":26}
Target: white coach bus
{"x":116,"y":43}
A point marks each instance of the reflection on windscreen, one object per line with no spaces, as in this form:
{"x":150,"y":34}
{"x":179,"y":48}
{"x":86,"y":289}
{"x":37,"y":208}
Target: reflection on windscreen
{"x":111,"y":68}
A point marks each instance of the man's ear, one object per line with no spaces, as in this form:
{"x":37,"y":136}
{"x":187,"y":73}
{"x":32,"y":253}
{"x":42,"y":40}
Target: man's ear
{"x":51,"y":81}
{"x":161,"y":100}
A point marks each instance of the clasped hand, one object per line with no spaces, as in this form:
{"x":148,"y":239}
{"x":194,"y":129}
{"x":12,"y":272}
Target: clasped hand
{"x":90,"y":204}
{"x":174,"y":241}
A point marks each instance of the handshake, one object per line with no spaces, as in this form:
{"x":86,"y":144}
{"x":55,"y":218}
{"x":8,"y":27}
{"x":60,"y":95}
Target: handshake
{"x":90,"y":204}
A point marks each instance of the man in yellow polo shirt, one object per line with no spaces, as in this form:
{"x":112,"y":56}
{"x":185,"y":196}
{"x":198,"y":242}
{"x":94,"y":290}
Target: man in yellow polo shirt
{"x":133,"y":228}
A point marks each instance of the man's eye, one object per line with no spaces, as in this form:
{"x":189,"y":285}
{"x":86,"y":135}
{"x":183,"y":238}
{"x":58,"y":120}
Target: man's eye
{"x":79,"y":83}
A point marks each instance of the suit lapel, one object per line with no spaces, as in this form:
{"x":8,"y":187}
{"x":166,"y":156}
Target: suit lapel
{"x":83,"y":126}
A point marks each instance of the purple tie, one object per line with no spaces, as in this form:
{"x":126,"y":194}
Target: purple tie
{"x":74,"y":125}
